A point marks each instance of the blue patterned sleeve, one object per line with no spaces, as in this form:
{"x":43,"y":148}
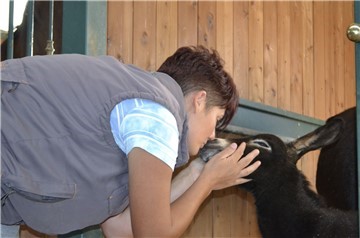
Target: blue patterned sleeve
{"x":147,"y":125}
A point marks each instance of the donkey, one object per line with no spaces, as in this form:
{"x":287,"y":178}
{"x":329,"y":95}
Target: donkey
{"x":336,"y":176}
{"x":286,"y":206}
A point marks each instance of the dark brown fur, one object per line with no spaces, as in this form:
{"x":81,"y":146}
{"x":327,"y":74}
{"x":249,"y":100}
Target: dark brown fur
{"x":286,"y":206}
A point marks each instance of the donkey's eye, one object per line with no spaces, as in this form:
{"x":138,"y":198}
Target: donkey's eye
{"x":260,"y":143}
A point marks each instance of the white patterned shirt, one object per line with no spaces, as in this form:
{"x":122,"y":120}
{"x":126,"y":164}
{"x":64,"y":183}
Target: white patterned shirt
{"x":148,"y":125}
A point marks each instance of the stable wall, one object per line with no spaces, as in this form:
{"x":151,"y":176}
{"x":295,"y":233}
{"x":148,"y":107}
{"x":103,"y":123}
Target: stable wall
{"x":292,"y":56}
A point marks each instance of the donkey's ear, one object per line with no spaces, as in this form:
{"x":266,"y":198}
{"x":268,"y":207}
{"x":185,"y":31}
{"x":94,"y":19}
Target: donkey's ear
{"x":322,"y":136}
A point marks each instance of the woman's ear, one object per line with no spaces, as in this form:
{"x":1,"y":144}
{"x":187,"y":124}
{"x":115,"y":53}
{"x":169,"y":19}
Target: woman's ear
{"x":199,"y":100}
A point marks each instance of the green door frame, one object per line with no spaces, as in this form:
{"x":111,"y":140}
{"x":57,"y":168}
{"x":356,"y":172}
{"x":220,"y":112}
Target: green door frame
{"x":84,"y":27}
{"x":357,"y":66}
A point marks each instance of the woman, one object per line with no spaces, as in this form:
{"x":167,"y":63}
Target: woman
{"x":84,"y":138}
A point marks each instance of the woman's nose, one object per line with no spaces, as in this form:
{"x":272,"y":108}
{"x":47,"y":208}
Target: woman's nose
{"x":212,"y":136}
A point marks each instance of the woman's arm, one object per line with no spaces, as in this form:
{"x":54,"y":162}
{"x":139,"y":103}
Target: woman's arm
{"x":152,"y":214}
{"x":120,"y":225}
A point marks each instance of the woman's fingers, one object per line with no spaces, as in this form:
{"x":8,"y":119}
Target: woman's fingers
{"x":246,"y":160}
{"x":242,"y":180}
{"x":247,"y":171}
{"x":245,"y":168}
{"x":228,"y":151}
{"x":243,"y":163}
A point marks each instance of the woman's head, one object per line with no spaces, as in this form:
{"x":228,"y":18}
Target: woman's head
{"x":198,"y":68}
{"x":211,"y":97}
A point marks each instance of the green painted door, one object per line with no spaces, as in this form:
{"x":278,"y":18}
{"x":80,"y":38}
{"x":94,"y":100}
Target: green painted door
{"x":357,"y":64}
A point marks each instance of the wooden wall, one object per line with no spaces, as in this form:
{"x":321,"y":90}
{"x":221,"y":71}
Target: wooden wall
{"x":286,"y":54}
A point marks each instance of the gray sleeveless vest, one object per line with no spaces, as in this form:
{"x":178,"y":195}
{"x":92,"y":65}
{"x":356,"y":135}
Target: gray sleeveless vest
{"x":61,"y":169}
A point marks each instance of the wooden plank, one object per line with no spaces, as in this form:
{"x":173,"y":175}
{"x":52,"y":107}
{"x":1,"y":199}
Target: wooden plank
{"x":239,"y":217}
{"x":270,"y":53}
{"x":222,"y":212}
{"x":243,"y":215}
{"x":329,"y":60}
{"x":144,"y":34}
{"x":202,"y":224}
{"x":283,"y":9}
{"x":120,"y":31}
{"x":225,"y":33}
{"x":207,"y":24}
{"x":339,"y":56}
{"x":256,"y":84}
{"x":308,"y":60}
{"x":241,"y":47}
{"x":240,"y":226}
{"x":349,"y":58}
{"x":315,"y":160}
{"x":256,"y":53}
{"x":254,"y":226}
{"x":307,"y":164}
{"x":224,"y":43}
{"x":319,"y":59}
{"x":187,"y":23}
{"x":296,"y":46}
{"x":166,"y":30}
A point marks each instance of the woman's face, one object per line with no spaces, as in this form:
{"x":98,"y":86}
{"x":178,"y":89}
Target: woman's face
{"x":201,"y":120}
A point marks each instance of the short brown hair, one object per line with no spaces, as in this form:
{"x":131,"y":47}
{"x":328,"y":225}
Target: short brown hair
{"x":197,"y":68}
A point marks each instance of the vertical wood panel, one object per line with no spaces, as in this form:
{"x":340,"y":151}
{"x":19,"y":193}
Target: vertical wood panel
{"x":270,"y":54}
{"x":222,"y":212}
{"x":166,"y":30}
{"x":206,"y":28}
{"x":202,"y":225}
{"x":222,"y":200}
{"x":241,"y":47}
{"x":188,"y":21}
{"x":308,"y":60}
{"x":240,"y":217}
{"x":296,"y":56}
{"x":283,"y":8}
{"x":319,"y":59}
{"x":308,"y":81}
{"x":329,"y":59}
{"x":339,"y":36}
{"x":225,"y":33}
{"x":120,"y":45}
{"x":244,"y":222}
{"x":144,"y":35}
{"x":315,"y":160}
{"x":256,"y":55}
{"x":254,"y":227}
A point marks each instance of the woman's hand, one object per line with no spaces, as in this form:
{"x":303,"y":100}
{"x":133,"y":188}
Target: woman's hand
{"x":227,"y":168}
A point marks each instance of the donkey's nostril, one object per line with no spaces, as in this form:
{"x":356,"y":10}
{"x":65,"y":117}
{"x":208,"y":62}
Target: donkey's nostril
{"x":211,"y":148}
{"x":206,"y":153}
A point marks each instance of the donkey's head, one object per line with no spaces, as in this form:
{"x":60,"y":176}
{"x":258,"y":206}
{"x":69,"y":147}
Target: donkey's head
{"x":273,"y":153}
{"x":276,"y":156}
